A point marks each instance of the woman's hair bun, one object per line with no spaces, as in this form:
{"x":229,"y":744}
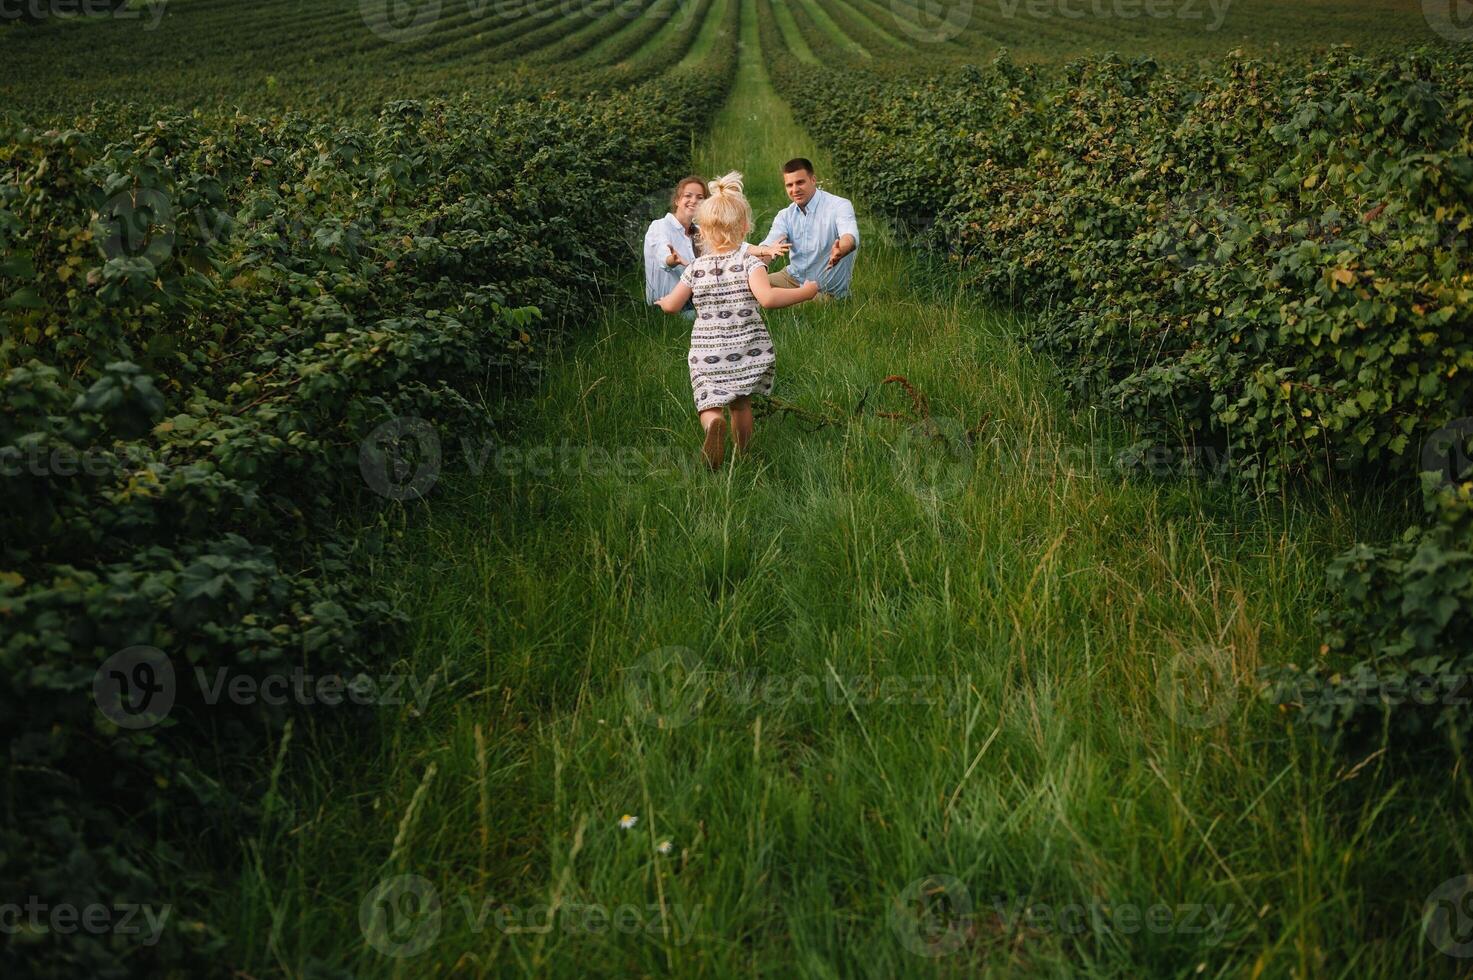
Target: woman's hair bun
{"x":729,"y":184}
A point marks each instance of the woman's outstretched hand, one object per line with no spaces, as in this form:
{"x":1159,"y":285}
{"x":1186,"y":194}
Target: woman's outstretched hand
{"x":673,"y":258}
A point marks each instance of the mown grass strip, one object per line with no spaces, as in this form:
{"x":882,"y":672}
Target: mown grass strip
{"x":716,"y":28}
{"x":617,"y":17}
{"x":880,"y":36}
{"x":889,"y":14}
{"x":792,"y":38}
{"x":825,"y":22}
{"x":615,"y":47}
{"x":670,"y":44}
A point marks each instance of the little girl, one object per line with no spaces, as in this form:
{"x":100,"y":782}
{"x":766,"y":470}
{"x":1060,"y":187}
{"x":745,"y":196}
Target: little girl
{"x":731,"y":355}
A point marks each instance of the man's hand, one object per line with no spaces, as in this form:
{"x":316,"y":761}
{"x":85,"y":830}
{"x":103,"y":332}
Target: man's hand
{"x":843,"y":245}
{"x":673,"y":259}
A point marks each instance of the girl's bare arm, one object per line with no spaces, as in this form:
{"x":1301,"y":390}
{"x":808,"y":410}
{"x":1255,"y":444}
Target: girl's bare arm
{"x":770,"y":297}
{"x":675,"y":300}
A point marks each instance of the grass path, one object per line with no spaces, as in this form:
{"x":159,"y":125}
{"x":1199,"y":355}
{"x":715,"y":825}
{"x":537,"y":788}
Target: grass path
{"x":876,"y":34}
{"x":711,"y":31}
{"x":674,"y":37}
{"x":862,"y":675}
{"x":788,"y":28}
{"x":830,"y":28}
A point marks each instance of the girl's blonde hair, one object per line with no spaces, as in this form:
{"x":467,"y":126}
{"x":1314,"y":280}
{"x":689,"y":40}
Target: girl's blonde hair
{"x":724,"y":217}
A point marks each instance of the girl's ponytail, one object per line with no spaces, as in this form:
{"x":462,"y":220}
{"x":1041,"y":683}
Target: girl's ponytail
{"x":729,"y":184}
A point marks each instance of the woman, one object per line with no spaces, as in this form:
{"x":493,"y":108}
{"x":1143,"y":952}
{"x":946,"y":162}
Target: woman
{"x":670,"y":242}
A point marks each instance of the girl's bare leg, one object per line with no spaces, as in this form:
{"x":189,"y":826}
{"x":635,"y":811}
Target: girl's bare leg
{"x":741,"y":423}
{"x":715,"y":445}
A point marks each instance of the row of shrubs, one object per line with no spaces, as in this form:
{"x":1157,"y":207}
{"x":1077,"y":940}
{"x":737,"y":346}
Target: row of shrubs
{"x":1266,"y":261}
{"x":207,"y":324}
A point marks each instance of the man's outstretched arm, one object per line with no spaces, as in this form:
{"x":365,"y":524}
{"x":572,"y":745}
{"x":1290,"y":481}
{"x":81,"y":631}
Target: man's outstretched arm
{"x":847,"y":228}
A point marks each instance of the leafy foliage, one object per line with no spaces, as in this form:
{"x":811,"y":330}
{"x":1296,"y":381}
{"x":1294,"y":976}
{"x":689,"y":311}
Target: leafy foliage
{"x":1268,"y":261}
{"x":203,"y":321}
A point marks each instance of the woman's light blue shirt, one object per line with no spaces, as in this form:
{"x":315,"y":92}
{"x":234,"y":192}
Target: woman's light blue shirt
{"x":660,"y":278}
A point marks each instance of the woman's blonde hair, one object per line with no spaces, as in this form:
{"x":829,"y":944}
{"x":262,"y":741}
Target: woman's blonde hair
{"x":724,"y":217}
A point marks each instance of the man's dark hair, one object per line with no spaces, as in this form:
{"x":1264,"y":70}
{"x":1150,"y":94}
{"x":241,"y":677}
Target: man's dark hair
{"x":798,"y":163}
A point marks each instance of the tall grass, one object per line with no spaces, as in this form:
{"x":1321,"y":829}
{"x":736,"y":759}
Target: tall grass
{"x":905,"y":699}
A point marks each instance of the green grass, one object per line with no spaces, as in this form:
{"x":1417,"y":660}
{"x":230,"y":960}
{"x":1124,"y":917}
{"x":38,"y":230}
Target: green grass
{"x":849,"y":663}
{"x":711,"y":30}
{"x":880,"y":34}
{"x":788,"y":28}
{"x":831,"y":29}
{"x":320,"y":55}
{"x":581,"y":42}
{"x":643,"y":27}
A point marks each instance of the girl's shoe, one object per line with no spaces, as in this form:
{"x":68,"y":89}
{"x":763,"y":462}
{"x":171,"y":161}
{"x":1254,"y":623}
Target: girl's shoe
{"x":714,"y":447}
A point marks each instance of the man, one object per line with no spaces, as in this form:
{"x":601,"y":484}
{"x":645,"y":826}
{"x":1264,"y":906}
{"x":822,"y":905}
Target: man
{"x":817,"y":232}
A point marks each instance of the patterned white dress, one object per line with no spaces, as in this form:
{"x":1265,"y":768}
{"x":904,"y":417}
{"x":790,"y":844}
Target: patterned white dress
{"x":730,"y":350}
